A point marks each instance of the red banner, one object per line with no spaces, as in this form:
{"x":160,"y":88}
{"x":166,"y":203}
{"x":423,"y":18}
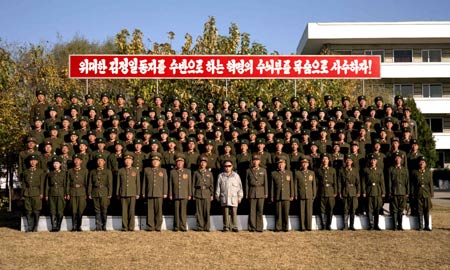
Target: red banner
{"x":224,"y":66}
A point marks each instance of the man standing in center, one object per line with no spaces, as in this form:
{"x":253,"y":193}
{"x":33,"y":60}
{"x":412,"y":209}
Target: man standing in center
{"x":257,"y":190}
{"x":229,"y":193}
{"x":305,"y":192}
{"x":128,"y":190}
{"x":180,"y":190}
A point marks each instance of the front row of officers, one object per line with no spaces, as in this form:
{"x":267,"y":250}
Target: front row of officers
{"x":155,"y":184}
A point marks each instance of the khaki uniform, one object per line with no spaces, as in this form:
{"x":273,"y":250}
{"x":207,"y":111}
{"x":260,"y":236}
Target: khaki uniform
{"x":422,"y":191}
{"x":154,"y":188}
{"x":32,"y":183}
{"x":283,"y":191}
{"x":349,"y":189}
{"x":128,"y":187}
{"x":373,"y":186}
{"x":257,"y":190}
{"x":203,"y":182}
{"x":77,"y":184}
{"x":100,"y":189}
{"x":305,"y":191}
{"x":55,"y":190}
{"x":327,"y":190}
{"x":398,"y":178}
{"x":180,"y":188}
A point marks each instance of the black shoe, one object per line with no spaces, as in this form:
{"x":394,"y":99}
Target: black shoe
{"x":251,"y":230}
{"x":427,"y":229}
{"x":183,"y":230}
{"x":235,"y":230}
{"x":225,"y":230}
{"x":206,"y":230}
{"x":285,"y":230}
{"x":260,"y":231}
{"x":175,"y":229}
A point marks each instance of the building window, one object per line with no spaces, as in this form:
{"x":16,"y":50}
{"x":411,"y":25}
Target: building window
{"x":403,"y":56}
{"x":435,"y":124}
{"x":431,"y":55}
{"x":343,"y":52}
{"x":375,"y":52}
{"x":406,"y":90}
{"x":432,"y":90}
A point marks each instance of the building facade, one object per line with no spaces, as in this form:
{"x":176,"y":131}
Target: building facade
{"x":415,"y":60}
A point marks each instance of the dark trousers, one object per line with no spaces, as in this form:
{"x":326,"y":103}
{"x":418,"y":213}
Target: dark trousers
{"x":306,"y":211}
{"x":128,"y":212}
{"x":203,"y":208}
{"x":282,"y":215}
{"x":226,"y":212}
{"x":255,"y":215}
{"x":180,"y":214}
{"x":154,"y":213}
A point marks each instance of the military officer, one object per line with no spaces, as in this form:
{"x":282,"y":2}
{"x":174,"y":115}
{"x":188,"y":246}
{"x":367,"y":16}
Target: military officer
{"x":180,"y":190}
{"x":422,"y":191}
{"x":55,"y":193}
{"x":257,"y":189}
{"x":398,"y":179}
{"x":305,"y":192}
{"x":100,"y":189}
{"x":282,"y":194}
{"x":128,"y":191}
{"x":203,"y":182}
{"x":327,"y":191}
{"x":373,"y":189}
{"x":155,"y":189}
{"x":349,"y":188}
{"x":32,"y":183}
{"x":23,"y":155}
{"x":77,"y":183}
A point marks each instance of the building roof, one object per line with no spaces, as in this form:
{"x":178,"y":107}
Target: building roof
{"x":316,"y":35}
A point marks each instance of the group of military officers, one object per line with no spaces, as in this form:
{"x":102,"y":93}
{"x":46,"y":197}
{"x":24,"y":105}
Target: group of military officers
{"x":358,"y":157}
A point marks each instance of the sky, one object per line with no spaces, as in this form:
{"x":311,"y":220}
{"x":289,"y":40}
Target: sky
{"x":276,"y":24}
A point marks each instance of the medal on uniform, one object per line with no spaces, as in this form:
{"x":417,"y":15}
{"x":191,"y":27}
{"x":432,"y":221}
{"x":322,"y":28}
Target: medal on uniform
{"x":185,"y":176}
{"x":288,"y":178}
{"x":310,"y":178}
{"x":133,"y":174}
{"x":160,"y":174}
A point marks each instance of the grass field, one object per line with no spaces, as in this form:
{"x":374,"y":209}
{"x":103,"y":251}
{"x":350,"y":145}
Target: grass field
{"x":217,"y":250}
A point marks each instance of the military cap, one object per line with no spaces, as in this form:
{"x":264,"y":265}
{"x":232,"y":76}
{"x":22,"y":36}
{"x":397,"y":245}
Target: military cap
{"x":73,"y":96}
{"x":153,"y":141}
{"x":351,"y":120}
{"x":303,"y":160}
{"x":38,"y":118}
{"x":281,"y":141}
{"x":253,"y":131}
{"x":407,"y":129}
{"x":88,"y":96}
{"x":303,"y":109}
{"x":227,"y":118}
{"x":362,"y":97}
{"x":387,"y":119}
{"x":294,"y":99}
{"x":128,"y":155}
{"x":84,"y":118}
{"x":75,"y":107}
{"x":120,"y":95}
{"x":297,"y":119}
{"x":252,"y":109}
{"x":288,"y":130}
{"x":274,"y":99}
{"x":191,"y":118}
{"x":73,"y":132}
{"x":115,"y":117}
{"x":313,"y":143}
{"x":338,"y":109}
{"x":336,"y":143}
{"x":235,"y":129}
{"x":379,"y":98}
{"x":182,"y":129}
{"x":398,"y":154}
{"x":180,"y":156}
{"x":269,"y":109}
{"x":209,"y":142}
{"x":191,"y":139}
{"x":270,"y":131}
{"x":57,"y":159}
{"x":48,"y":143}
{"x":397,"y":97}
{"x":323,"y":129}
{"x":313,"y":117}
{"x":414,"y":141}
{"x":261,"y":141}
{"x":130,"y":130}
{"x":395,"y":139}
{"x":227,"y":143}
{"x":356,"y":108}
{"x":53,"y":127}
{"x":406,"y":108}
{"x":348,"y":157}
{"x":327,"y":97}
{"x":371,"y":108}
{"x":340,"y":131}
{"x":31,"y":139}
{"x":201,"y":110}
{"x":375,"y":141}
{"x":172,"y":140}
{"x":117,"y":142}
{"x":40,"y":92}
{"x":242,"y":99}
{"x":320,"y":109}
{"x":161,"y":117}
{"x":324,"y":155}
{"x":203,"y":158}
{"x":372,"y":156}
{"x":100,"y":156}
{"x":83,"y":142}
{"x":332,"y":119}
{"x":105,"y":95}
{"x":280,"y":159}
{"x":138,"y":141}
{"x":151,"y":109}
{"x":156,"y":156}
{"x":112,"y":130}
{"x":201,"y":131}
{"x":354,"y":143}
{"x":100,"y":140}
{"x":58,"y":95}
{"x":344,"y":98}
{"x":109,"y":107}
{"x":138,"y":97}
{"x":421,"y":158}
{"x":258,"y":99}
{"x":92,"y":108}
{"x":256,"y":157}
{"x":145,"y":119}
{"x":295,"y":140}
{"x":367,"y":119}
{"x":218,"y":129}
{"x":245,"y":141}
{"x":306,"y":132}
{"x":33,"y":157}
{"x":210,"y":119}
{"x":193,"y":100}
{"x":77,"y":156}
{"x":130,"y":118}
{"x":176,"y":119}
{"x":387,"y":105}
{"x":175,"y":98}
{"x":157,"y":96}
{"x":382,"y":129}
{"x":310,"y":96}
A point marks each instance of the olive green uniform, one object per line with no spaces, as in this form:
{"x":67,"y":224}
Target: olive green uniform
{"x":55,"y":190}
{"x":422,"y":191}
{"x":398,"y":178}
{"x":305,"y":191}
{"x":257,"y":190}
{"x":327,"y":190}
{"x":203,"y":182}
{"x":349,"y":188}
{"x":128,"y":187}
{"x":100,"y":189}
{"x":32,"y":183}
{"x":282,"y":192}
{"x":77,"y":183}
{"x":374,"y":188}
{"x":180,"y":188}
{"x":154,"y":187}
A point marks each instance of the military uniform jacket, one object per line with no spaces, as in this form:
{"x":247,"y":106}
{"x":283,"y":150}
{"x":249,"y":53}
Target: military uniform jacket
{"x":139,"y":160}
{"x":55,"y":183}
{"x":373,"y":182}
{"x":256,"y":183}
{"x":32,"y":182}
{"x":327,"y":181}
{"x":211,"y":160}
{"x":349,"y":182}
{"x":192,"y":160}
{"x":282,"y":185}
{"x":422,"y":184}
{"x":100,"y":183}
{"x":155,"y":183}
{"x":203,"y":184}
{"x":128,"y":182}
{"x":266,"y":159}
{"x":77,"y":182}
{"x":180,"y":183}
{"x":305,"y":184}
{"x":398,"y":180}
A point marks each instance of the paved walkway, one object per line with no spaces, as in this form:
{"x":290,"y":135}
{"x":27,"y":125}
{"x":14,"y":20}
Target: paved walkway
{"x":441,"y":198}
